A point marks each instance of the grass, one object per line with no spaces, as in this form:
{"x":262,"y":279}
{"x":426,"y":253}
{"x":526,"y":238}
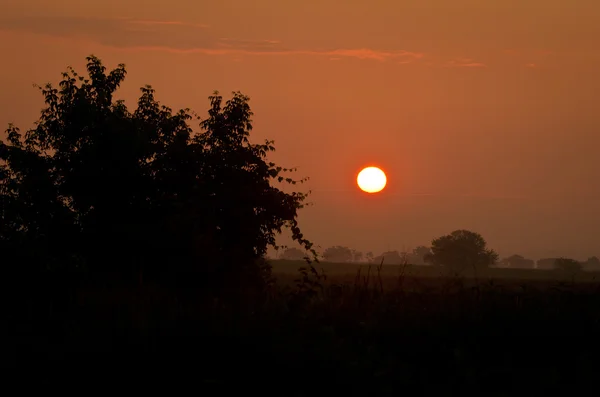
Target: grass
{"x":409,"y":277}
{"x":381,"y":332}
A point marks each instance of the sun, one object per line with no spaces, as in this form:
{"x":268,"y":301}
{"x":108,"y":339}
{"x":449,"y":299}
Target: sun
{"x":371,"y":180}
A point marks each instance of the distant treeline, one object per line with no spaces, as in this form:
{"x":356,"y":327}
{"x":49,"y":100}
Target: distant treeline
{"x":419,"y":255}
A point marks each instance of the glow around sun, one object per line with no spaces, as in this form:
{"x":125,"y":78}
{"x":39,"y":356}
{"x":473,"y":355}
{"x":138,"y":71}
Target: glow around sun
{"x":371,"y":180}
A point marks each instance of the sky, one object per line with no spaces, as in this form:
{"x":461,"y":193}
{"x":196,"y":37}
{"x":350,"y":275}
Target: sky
{"x":484,"y":114}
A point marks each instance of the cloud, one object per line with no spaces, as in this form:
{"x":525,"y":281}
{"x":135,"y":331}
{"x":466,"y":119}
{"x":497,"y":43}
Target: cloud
{"x":365,"y":53}
{"x":181,"y":37}
{"x":116,"y":32}
{"x":157,"y":22}
{"x":464,"y":63}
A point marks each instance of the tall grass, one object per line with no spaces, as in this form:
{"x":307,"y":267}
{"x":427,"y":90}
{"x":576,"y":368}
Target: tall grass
{"x":316,"y":333}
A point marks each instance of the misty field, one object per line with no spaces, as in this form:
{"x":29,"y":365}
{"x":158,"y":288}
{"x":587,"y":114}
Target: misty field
{"x":388,"y":332}
{"x":413,"y":277}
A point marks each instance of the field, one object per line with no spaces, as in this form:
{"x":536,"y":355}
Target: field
{"x":381,"y":332}
{"x":415,"y":278}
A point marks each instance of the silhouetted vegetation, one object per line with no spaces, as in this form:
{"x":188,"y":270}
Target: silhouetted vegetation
{"x":338,"y":254}
{"x":133,"y":250}
{"x":292,"y":254}
{"x":460,"y":250}
{"x":517,"y":262}
{"x":568,"y":265}
{"x":93,"y":182}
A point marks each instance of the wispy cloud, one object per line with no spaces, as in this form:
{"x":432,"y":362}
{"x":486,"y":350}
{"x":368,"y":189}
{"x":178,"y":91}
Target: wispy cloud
{"x":116,"y":32}
{"x":176,"y":36}
{"x":333,"y":55}
{"x":158,"y":22}
{"x":464,"y":63}
{"x":365,"y":53}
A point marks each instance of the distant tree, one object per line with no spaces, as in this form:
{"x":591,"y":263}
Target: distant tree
{"x":417,"y":255}
{"x":293,"y":254}
{"x":338,"y":254}
{"x":546,"y":263}
{"x":517,"y":262}
{"x":460,"y":250}
{"x":568,"y":265}
{"x":391,"y":258}
{"x":358,"y":256}
{"x":96,"y":184}
{"x":592,"y":263}
{"x":369,"y":256}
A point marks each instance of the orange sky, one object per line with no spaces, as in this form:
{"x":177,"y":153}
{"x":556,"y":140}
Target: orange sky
{"x":484,"y":114}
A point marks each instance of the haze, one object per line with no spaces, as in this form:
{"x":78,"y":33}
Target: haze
{"x":484,"y":115}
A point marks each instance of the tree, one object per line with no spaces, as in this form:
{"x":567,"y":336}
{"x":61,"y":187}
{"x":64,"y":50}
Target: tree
{"x":418,"y":255}
{"x":390,"y":258}
{"x":358,"y":256}
{"x":517,"y":262}
{"x":568,"y":265}
{"x":592,"y":263}
{"x":461,"y":249}
{"x":94,"y":182}
{"x":369,"y":256}
{"x":338,"y":254}
{"x":293,"y":254}
{"x":546,"y":263}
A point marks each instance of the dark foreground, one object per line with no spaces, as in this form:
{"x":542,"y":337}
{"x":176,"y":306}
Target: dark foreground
{"x":359,"y":339}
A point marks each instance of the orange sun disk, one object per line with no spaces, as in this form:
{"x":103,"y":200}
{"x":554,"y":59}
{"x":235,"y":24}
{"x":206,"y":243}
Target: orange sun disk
{"x":371,"y":180}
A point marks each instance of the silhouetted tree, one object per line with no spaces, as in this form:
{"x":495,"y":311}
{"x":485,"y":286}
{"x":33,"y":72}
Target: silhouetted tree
{"x":369,"y":256}
{"x":292,"y":254}
{"x":338,"y":254}
{"x":417,"y":255}
{"x":358,"y":256}
{"x":592,"y":263}
{"x":94,"y":183}
{"x":568,"y":265}
{"x":546,"y":263}
{"x":461,"y":249}
{"x":517,"y":262}
{"x":391,"y":258}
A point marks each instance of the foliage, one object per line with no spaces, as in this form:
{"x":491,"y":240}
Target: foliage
{"x":546,"y":263}
{"x":414,"y":257}
{"x":94,"y":181}
{"x":391,"y":258}
{"x":292,"y":254}
{"x":418,"y":255}
{"x":338,"y":254}
{"x":357,"y":256}
{"x":592,"y":263}
{"x":308,"y":287}
{"x":568,"y":265}
{"x":593,"y":260}
{"x":461,"y":249}
{"x":517,"y":262}
{"x":387,"y":341}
